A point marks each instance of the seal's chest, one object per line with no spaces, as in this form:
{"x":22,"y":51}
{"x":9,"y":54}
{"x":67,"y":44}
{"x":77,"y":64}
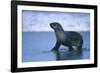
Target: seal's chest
{"x":61,"y":36}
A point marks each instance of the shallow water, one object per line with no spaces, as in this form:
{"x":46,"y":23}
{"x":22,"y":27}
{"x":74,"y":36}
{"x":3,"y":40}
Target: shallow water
{"x":36,"y":46}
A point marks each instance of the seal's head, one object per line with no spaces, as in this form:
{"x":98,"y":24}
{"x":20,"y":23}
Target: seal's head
{"x":55,"y":25}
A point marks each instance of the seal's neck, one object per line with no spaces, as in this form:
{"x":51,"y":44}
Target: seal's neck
{"x":60,"y":34}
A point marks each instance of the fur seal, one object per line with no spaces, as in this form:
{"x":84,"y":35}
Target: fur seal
{"x":73,"y":40}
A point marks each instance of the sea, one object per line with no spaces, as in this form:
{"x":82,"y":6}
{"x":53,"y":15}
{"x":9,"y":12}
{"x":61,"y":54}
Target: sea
{"x":37,"y":46}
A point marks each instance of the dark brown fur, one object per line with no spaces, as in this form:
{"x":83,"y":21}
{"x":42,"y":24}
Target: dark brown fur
{"x":71,"y":39}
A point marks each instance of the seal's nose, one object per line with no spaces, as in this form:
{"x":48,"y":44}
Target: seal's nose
{"x":51,"y":25}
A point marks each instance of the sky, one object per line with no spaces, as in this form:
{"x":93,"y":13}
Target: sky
{"x":36,"y":21}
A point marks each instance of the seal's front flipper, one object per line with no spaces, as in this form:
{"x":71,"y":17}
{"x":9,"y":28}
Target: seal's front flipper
{"x":56,"y":47}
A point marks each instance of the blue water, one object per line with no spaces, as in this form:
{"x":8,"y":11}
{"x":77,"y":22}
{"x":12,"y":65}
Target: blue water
{"x":36,"y":46}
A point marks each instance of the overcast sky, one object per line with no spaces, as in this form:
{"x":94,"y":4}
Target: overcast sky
{"x":40,"y":20}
